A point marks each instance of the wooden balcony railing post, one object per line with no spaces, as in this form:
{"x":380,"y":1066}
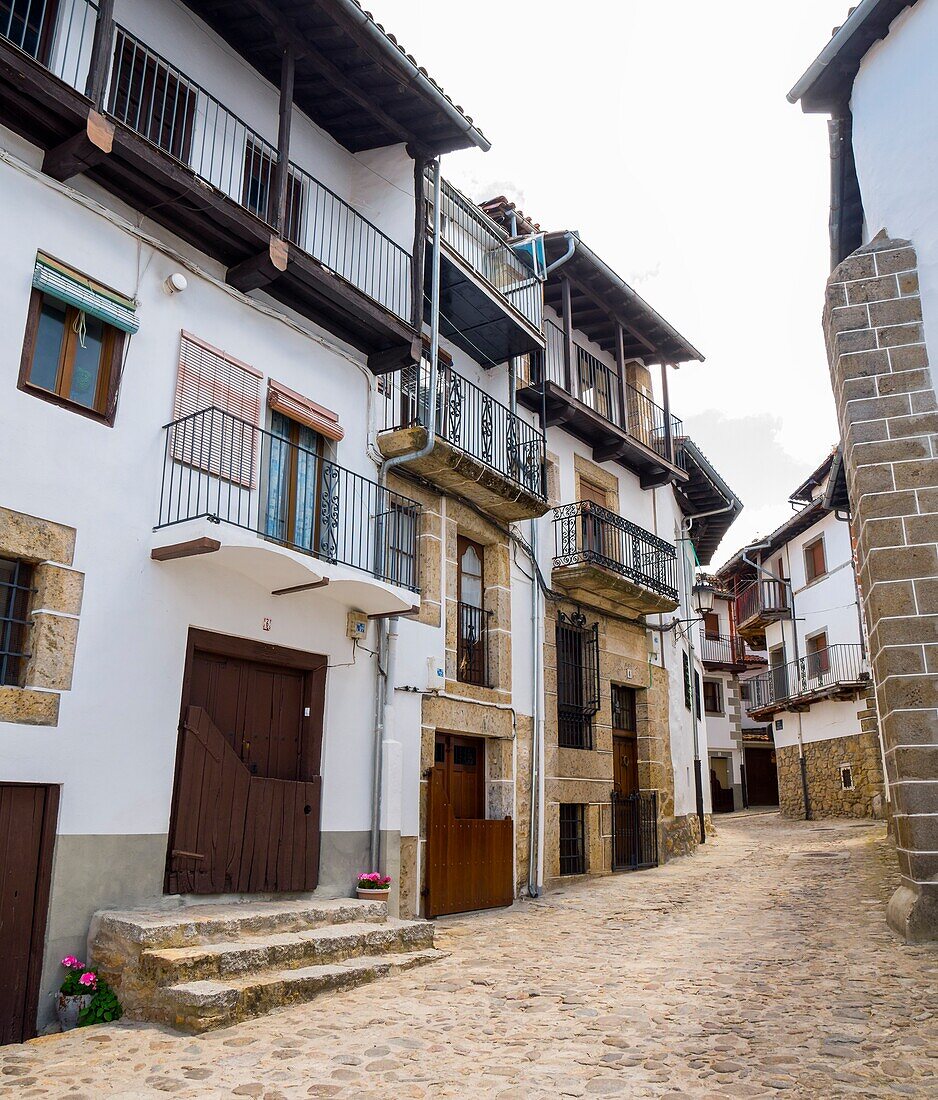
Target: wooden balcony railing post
{"x":101,"y":45}
{"x":287,"y":72}
{"x":620,"y":381}
{"x":568,"y":347}
{"x":666,"y":405}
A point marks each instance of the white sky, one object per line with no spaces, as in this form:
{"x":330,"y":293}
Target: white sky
{"x":660,"y":130}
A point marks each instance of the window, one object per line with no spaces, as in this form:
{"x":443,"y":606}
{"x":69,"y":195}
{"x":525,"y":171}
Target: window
{"x":572,"y":839}
{"x":30,"y":26}
{"x":846,"y":777}
{"x":149,"y":97}
{"x":698,"y":695}
{"x":623,"y":708}
{"x":259,"y":190}
{"x":713,"y":697}
{"x":71,"y":357}
{"x":472,"y":637}
{"x":745,"y":691}
{"x":818,"y":655}
{"x":16,"y":578}
{"x":402,"y":545}
{"x":815,"y":564}
{"x":577,"y":680}
{"x":686,"y":663}
{"x":711,"y":625}
{"x":299,"y":489}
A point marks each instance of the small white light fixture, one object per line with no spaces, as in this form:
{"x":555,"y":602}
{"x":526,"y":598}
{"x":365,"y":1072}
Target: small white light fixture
{"x":703,"y":597}
{"x":176,"y":283}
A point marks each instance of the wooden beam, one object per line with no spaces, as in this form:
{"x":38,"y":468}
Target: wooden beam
{"x":324,"y":583}
{"x":282,"y":176}
{"x":262,"y":269}
{"x":189,"y":549}
{"x":418,"y":260}
{"x":620,"y":371}
{"x":82,"y":151}
{"x":101,"y":46}
{"x":666,"y":405}
{"x":401,"y":355}
{"x":409,"y":613}
{"x":595,"y":295}
{"x":568,"y":345}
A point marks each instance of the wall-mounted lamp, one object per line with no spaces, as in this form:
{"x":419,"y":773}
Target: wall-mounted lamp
{"x":703,"y":592}
{"x":176,"y":283}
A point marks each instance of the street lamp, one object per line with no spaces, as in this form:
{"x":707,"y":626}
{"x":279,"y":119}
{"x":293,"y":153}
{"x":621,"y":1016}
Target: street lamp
{"x":703,"y":593}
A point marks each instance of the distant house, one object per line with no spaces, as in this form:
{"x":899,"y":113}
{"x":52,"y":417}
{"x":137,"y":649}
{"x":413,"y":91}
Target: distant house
{"x":878,"y":82}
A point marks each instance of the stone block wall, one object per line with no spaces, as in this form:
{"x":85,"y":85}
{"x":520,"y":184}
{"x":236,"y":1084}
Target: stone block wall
{"x":823,"y":760}
{"x":888,"y":416}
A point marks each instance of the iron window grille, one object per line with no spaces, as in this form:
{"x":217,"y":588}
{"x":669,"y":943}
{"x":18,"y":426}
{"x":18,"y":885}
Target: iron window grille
{"x":623,"y":708}
{"x":16,"y":588}
{"x":577,"y":680}
{"x":686,"y":662}
{"x":472,"y":657}
{"x":572,"y":839}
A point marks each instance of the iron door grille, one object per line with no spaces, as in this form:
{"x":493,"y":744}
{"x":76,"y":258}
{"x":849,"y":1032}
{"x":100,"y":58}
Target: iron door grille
{"x":634,"y":830}
{"x":572,"y":839}
{"x":577,"y":680}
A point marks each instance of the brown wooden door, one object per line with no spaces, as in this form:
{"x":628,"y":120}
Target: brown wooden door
{"x":247,"y":796}
{"x":461,"y":763}
{"x":625,"y":764}
{"x":761,"y":776}
{"x":27,"y":836}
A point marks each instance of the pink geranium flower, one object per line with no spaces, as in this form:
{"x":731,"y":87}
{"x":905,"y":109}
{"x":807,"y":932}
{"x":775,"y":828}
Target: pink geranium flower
{"x":88,"y":979}
{"x":71,"y":963}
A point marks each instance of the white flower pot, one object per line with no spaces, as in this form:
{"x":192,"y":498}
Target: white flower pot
{"x":68,"y":1007}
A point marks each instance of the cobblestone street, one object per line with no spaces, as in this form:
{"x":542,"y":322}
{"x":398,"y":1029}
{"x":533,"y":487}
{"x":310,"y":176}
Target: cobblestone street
{"x":761,"y":966}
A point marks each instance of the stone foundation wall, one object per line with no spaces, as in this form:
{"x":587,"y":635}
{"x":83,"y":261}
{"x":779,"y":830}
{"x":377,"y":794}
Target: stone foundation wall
{"x":823,"y":760}
{"x":680,"y":836}
{"x":888,"y":416}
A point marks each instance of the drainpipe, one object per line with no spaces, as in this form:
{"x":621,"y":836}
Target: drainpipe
{"x":388,"y":628}
{"x":802,"y":763}
{"x":561,"y":260}
{"x":537,"y":728}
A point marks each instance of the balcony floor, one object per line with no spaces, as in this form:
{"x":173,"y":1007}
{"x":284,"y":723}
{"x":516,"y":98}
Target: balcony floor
{"x":804,"y":700}
{"x":454,"y":471}
{"x":606,"y":590}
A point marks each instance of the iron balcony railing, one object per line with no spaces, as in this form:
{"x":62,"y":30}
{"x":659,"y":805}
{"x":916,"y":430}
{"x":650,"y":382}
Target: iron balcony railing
{"x":762,"y":597}
{"x":474,"y":237}
{"x":634,"y":830}
{"x":469,"y":419}
{"x":156,"y":99}
{"x":815,"y":672}
{"x":586,"y":533}
{"x":597,"y":386}
{"x":472,"y":645}
{"x":224,"y":469}
{"x":722,"y":649}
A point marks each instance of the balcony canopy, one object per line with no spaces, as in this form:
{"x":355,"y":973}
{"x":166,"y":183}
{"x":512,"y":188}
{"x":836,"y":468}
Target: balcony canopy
{"x":705,"y":491}
{"x":352,"y":77}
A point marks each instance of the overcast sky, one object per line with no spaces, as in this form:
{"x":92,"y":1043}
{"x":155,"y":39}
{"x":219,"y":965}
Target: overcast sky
{"x":660,"y":130}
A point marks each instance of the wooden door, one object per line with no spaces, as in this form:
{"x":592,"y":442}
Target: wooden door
{"x":461,"y":763}
{"x":27,"y":837}
{"x":625,"y":764}
{"x":247,"y":795}
{"x":761,"y":776}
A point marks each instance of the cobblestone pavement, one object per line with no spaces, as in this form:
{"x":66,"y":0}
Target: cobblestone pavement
{"x":759,"y":967}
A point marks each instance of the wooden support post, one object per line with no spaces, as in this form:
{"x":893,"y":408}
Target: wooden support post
{"x":418,"y":261}
{"x":81,"y":151}
{"x":287,"y":74}
{"x":101,"y":47}
{"x":666,"y":405}
{"x":568,"y":345}
{"x":620,"y":368}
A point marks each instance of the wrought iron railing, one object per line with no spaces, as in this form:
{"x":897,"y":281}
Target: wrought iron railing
{"x":764,"y":596}
{"x":156,"y":99}
{"x":479,"y":241}
{"x":469,"y":419}
{"x":578,"y":685}
{"x":634,"y":830}
{"x":722,"y":649}
{"x":597,"y":386}
{"x":224,"y":469}
{"x":472,"y":645}
{"x":586,"y":533}
{"x":815,"y":672}
{"x":16,"y":591}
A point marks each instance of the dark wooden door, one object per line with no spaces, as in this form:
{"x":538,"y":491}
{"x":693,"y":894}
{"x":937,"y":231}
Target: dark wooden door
{"x":27,"y":836}
{"x":761,"y":776}
{"x":247,"y":795}
{"x":461,"y":763}
{"x":625,"y":763}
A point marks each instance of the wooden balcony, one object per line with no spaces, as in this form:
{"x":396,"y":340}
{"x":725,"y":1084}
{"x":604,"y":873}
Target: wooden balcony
{"x":481,"y":450}
{"x":764,"y":601}
{"x":102,"y":104}
{"x":722,"y":653}
{"x":606,"y":562}
{"x":836,"y":672}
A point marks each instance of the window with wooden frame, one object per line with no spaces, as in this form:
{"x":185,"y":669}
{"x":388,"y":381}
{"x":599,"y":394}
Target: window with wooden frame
{"x":259,"y":190}
{"x":472,"y":619}
{"x":815,"y":562}
{"x":296,"y":489}
{"x":151,"y":98}
{"x":711,"y":622}
{"x":624,"y":708}
{"x":712,"y":697}
{"x":16,"y":590}
{"x":572,"y":839}
{"x":818,"y":656}
{"x":577,"y":680}
{"x":71,"y":357}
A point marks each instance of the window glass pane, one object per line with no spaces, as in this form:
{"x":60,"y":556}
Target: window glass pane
{"x":87,"y":368}
{"x":45,"y":365}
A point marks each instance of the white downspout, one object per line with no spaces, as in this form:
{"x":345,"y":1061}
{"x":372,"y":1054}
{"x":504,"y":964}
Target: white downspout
{"x":537,"y":727}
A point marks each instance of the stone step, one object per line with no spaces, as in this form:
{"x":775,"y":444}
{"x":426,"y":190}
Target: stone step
{"x":152,"y":929}
{"x":202,"y":1005}
{"x":284,"y":950}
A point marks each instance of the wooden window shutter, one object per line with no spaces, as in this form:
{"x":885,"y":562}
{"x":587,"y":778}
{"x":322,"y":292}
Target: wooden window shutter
{"x":218,"y":400}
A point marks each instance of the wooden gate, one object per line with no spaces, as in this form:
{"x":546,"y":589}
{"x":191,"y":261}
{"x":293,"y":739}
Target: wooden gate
{"x":470,"y":862}
{"x":27,"y":837}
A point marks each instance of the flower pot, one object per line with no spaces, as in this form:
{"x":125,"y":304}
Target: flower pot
{"x":372,"y":895}
{"x":68,"y":1007}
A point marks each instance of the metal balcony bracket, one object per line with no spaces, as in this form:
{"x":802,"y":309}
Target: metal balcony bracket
{"x":82,"y":151}
{"x":301,"y":588}
{"x":260,"y":270}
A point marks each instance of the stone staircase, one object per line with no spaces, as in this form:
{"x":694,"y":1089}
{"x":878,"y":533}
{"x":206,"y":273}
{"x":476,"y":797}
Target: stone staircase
{"x":206,"y":966}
